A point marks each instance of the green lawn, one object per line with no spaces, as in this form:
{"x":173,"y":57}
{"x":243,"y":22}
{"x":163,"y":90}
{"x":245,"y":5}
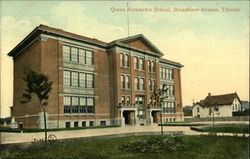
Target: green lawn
{"x":200,"y":147}
{"x":8,"y":129}
{"x":229,"y":129}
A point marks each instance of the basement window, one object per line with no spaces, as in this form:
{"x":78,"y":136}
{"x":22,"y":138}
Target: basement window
{"x":91,"y":123}
{"x":76,"y":124}
{"x":67,"y":124}
{"x":102,"y":123}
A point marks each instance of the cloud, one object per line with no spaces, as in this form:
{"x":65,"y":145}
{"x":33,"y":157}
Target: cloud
{"x":82,"y":22}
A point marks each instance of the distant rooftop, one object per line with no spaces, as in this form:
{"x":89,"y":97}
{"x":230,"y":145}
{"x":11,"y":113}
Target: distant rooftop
{"x":217,"y":100}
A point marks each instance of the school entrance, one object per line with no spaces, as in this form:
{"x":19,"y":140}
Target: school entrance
{"x":129,"y":117}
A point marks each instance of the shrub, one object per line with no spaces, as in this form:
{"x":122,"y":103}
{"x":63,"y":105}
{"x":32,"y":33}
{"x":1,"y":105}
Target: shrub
{"x":154,"y":144}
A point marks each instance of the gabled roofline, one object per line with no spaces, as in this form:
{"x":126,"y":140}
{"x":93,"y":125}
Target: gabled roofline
{"x":114,"y":43}
{"x":43,"y":29}
{"x":39,"y":30}
{"x":31,"y":36}
{"x":130,"y":38}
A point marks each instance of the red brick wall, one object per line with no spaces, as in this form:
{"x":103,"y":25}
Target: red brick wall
{"x":50,"y":64}
{"x":102,"y":82}
{"x":177,"y":87}
{"x":28,"y":59}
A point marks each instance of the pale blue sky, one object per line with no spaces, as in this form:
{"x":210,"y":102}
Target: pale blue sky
{"x":212,"y":46}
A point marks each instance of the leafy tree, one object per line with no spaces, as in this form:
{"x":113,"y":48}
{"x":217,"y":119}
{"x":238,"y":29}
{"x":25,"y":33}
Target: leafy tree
{"x":39,"y":85}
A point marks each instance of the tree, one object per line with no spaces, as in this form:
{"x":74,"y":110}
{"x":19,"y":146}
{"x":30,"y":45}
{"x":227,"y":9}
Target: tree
{"x":159,"y":97}
{"x":39,"y":85}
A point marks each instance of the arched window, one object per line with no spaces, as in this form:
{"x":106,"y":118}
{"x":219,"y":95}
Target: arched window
{"x":136,"y":63}
{"x":127,"y":60}
{"x":122,"y":59}
{"x":127,"y":82}
{"x":153,"y":66}
{"x":122,"y":81}
{"x":149,"y":66}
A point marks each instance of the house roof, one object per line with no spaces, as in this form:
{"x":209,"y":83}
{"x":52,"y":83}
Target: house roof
{"x":218,"y":100}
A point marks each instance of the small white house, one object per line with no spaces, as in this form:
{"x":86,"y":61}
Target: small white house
{"x":217,"y":106}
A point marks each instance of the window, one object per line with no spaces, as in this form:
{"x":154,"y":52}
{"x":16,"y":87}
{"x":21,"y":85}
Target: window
{"x":153,"y":66}
{"x":102,"y":123}
{"x":91,"y":123}
{"x":90,"y":80}
{"x":90,"y":105}
{"x":76,"y":124}
{"x":122,"y":59}
{"x":198,"y":109}
{"x":74,"y":79}
{"x":89,"y":57}
{"x":170,"y":74}
{"x":122,"y":81}
{"x":150,"y":83}
{"x":66,"y":78}
{"x":127,"y":82}
{"x":127,"y":60}
{"x":77,"y":55}
{"x":78,"y":79}
{"x":164,"y":73}
{"x":82,"y":107}
{"x":67,"y":124}
{"x":149,"y":66}
{"x":67,"y":104}
{"x":82,"y":56}
{"x":140,"y":100}
{"x":142,"y":83}
{"x":83,"y":123}
{"x":123,"y":99}
{"x":74,"y":104}
{"x":169,"y":107}
{"x":74,"y":54}
{"x":140,"y":114}
{"x":137,"y":86}
{"x":82,"y":80}
{"x":161,"y":70}
{"x":141,"y":64}
{"x":170,"y":90}
{"x":128,"y":100}
{"x":66,"y":53}
{"x":153,"y":85}
{"x":136,"y":63}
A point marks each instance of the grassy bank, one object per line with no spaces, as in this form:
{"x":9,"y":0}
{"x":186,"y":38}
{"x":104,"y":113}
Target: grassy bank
{"x":205,"y":147}
{"x":228,"y":129}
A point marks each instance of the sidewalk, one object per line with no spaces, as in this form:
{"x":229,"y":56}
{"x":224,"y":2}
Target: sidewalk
{"x":9,"y":138}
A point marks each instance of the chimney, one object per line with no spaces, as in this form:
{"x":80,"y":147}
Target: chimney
{"x":209,"y":94}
